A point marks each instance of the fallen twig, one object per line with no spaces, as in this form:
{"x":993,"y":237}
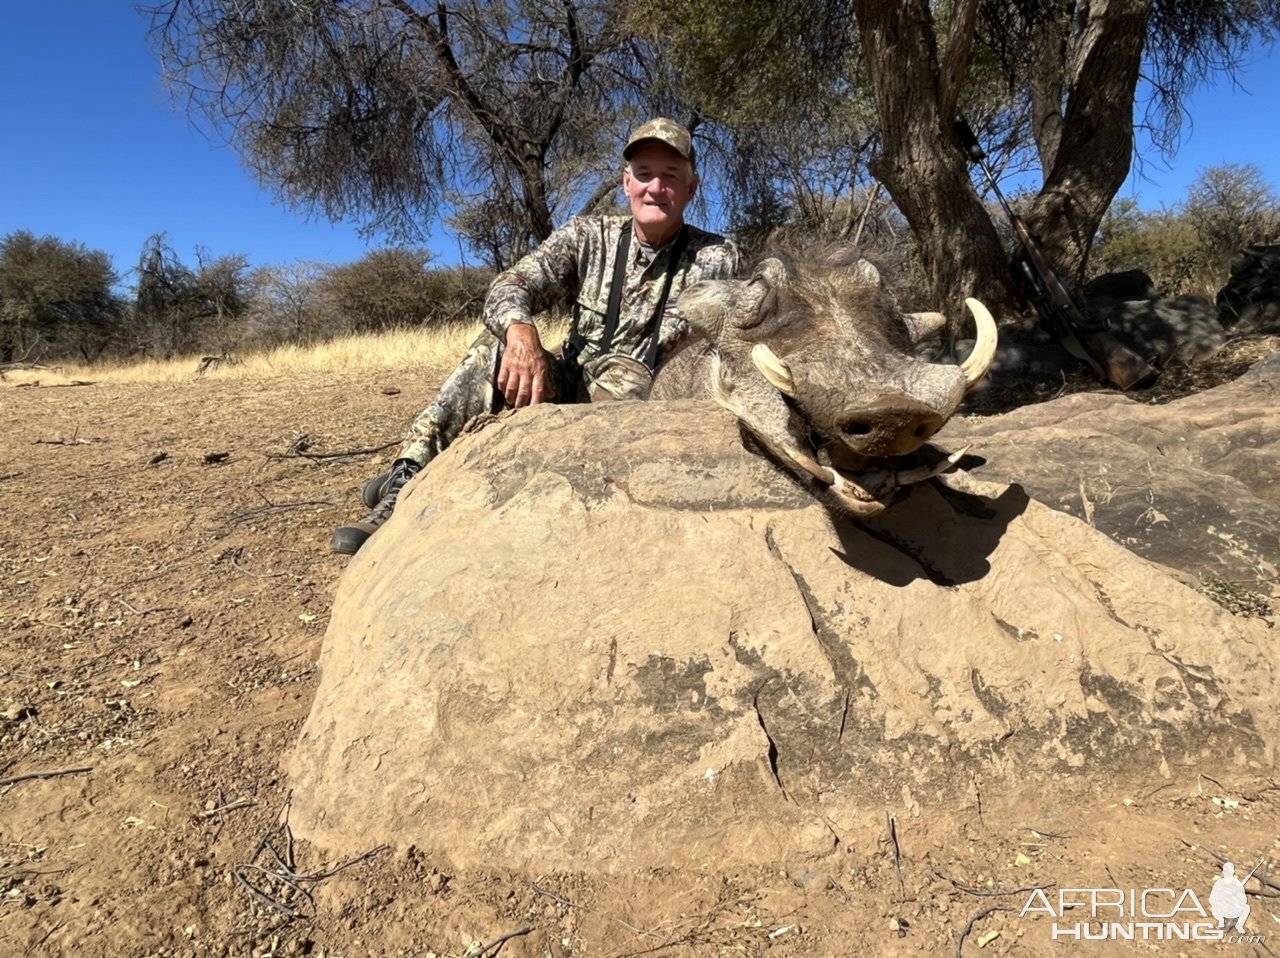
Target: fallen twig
{"x":284,"y":871}
{"x":65,"y":442}
{"x":52,"y":773}
{"x":1044,"y":834}
{"x":261,"y":897}
{"x":320,"y":876}
{"x":256,"y":575}
{"x":230,"y":807}
{"x":325,"y":456}
{"x":973,"y":921}
{"x":633,"y":928}
{"x":47,"y":935}
{"x":141,"y":612}
{"x":983,"y":893}
{"x":897,"y":853}
{"x":553,"y":895}
{"x":497,"y":943}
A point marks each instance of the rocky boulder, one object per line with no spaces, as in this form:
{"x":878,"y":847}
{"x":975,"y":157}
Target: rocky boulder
{"x":604,"y":638}
{"x":1250,"y":302}
{"x":1193,"y":485}
{"x":1160,"y":329}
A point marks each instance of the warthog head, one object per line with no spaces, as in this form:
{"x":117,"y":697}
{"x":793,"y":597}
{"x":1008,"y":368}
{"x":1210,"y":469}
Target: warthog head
{"x":819,"y":364}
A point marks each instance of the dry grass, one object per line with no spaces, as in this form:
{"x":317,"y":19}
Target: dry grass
{"x":434,"y":349}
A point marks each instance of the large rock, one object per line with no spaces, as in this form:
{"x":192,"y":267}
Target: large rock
{"x":1158,"y":328}
{"x":1164,"y":329}
{"x":1194,"y":484}
{"x":603,"y":638}
{"x":1250,"y":302}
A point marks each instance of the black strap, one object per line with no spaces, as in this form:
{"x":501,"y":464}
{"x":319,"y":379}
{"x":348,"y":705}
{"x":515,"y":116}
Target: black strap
{"x":621,"y":260}
{"x":677,"y":253}
{"x":615,"y":289}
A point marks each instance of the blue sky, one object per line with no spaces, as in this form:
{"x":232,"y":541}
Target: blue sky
{"x":93,"y":151}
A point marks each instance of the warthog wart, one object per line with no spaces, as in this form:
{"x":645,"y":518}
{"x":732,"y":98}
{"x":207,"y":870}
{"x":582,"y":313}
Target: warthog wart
{"x":820,"y":366}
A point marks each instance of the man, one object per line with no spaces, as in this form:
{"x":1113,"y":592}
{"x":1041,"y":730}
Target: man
{"x":652,"y":255}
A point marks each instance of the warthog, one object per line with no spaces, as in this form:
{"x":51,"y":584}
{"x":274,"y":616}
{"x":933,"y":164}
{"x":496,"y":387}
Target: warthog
{"x":819,"y":365}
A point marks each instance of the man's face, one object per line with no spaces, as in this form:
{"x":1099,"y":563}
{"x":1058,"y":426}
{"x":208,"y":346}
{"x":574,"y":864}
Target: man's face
{"x":659,"y":183}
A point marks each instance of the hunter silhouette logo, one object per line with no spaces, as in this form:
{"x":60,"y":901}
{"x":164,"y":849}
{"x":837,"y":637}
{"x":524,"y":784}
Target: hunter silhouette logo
{"x":1227,"y":900}
{"x":1148,"y":914}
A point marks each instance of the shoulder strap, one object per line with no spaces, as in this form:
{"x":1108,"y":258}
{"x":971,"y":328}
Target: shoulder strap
{"x":673,"y":264}
{"x":614,"y":307}
{"x":615,"y":288}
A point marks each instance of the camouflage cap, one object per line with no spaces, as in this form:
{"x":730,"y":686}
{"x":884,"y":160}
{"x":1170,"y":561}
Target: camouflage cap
{"x":664,"y":131}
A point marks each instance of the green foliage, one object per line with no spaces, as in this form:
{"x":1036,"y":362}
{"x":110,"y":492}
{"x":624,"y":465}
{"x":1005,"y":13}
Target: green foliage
{"x":1162,"y":244}
{"x":54,"y":294}
{"x":750,"y":64}
{"x":392,"y":287}
{"x":1188,"y":249}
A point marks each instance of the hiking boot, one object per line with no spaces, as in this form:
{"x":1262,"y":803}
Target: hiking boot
{"x":348,"y":539}
{"x":373,"y":490}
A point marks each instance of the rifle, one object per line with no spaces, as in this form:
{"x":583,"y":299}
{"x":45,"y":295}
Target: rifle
{"x":1061,"y":313}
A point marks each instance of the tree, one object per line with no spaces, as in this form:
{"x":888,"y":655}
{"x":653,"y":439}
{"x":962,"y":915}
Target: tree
{"x":162,"y":300}
{"x":378,"y":109}
{"x":285,"y":305}
{"x":1188,"y":249}
{"x":52,"y":290}
{"x":1161,"y":243}
{"x":788,"y":134}
{"x":382,"y":290}
{"x":1049,"y":84}
{"x":1232,"y":206}
{"x":221,"y":295}
{"x":1079,"y":62}
{"x":177,"y":308}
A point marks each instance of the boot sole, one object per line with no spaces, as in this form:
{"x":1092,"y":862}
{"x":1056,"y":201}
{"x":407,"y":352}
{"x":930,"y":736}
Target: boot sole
{"x":347,"y":540}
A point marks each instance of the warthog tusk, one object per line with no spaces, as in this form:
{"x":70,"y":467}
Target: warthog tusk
{"x":810,"y":465}
{"x":858,"y":501}
{"x":774,"y":369}
{"x":984,"y":349}
{"x":920,"y":326}
{"x":921,"y":473}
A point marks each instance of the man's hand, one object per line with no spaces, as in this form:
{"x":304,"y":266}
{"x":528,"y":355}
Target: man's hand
{"x":524,"y":374}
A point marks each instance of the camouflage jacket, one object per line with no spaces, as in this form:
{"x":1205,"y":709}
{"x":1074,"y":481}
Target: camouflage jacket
{"x":577,"y":260}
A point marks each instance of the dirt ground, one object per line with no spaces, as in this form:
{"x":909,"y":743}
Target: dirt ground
{"x":165,"y":584}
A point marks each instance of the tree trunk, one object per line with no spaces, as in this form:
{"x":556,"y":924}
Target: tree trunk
{"x":1087,"y":147}
{"x":536,"y":205}
{"x":921,"y":164}
{"x":1094,"y":146}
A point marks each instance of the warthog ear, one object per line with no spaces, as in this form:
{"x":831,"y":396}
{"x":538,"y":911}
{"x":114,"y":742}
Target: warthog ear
{"x":760,"y":298}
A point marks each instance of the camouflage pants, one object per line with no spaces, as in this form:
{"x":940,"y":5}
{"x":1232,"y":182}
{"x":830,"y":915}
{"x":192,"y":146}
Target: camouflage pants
{"x":471,"y":390}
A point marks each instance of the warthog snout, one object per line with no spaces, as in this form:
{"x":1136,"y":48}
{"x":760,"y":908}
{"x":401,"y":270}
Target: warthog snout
{"x":819,"y":364}
{"x":890,"y":427}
